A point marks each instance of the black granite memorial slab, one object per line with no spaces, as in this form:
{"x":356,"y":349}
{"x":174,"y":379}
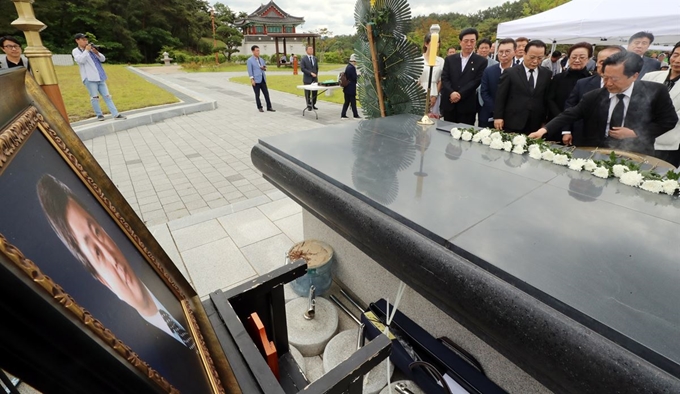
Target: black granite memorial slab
{"x":595,"y":250}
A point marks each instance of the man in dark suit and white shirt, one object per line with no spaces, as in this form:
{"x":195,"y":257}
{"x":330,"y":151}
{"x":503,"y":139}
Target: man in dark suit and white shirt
{"x":491,"y":78}
{"x":574,"y":134}
{"x":520,"y":50}
{"x":461,"y":76}
{"x":310,"y":70}
{"x":626,"y":114}
{"x":639,"y":43}
{"x":520,"y":105}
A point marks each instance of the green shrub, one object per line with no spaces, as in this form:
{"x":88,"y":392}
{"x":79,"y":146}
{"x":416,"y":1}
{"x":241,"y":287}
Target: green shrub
{"x":191,"y":66}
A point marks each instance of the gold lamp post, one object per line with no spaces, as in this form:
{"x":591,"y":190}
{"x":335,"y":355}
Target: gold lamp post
{"x":431,"y":61}
{"x":39,"y":56}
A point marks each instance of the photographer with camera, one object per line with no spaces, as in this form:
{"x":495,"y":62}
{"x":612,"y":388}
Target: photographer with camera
{"x":92,"y":73}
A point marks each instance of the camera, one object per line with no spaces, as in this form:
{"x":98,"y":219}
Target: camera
{"x":93,"y":46}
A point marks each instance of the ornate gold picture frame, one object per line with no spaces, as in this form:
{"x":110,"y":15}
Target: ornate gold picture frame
{"x":68,"y":230}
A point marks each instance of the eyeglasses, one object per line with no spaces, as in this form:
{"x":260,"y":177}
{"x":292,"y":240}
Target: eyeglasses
{"x":581,"y":58}
{"x":507,"y":52}
{"x":469,"y":41}
{"x":613,"y":79}
{"x":539,"y":58}
{"x":12,"y":46}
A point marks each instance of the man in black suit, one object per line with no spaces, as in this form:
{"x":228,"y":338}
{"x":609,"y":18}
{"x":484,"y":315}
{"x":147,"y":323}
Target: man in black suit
{"x":626,"y":114}
{"x":520,"y":105}
{"x":461,"y":76}
{"x":639,"y":43}
{"x":574,"y":135}
{"x":310,"y":69}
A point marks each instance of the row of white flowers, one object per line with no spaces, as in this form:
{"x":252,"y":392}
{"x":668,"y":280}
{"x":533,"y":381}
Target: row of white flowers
{"x":628,"y":173}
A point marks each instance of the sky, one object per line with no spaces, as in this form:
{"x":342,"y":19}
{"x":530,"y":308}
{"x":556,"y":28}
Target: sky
{"x":338,"y":15}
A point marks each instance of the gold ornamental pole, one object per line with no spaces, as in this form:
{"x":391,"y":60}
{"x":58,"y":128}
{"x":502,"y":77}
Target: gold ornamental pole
{"x":39,"y":57}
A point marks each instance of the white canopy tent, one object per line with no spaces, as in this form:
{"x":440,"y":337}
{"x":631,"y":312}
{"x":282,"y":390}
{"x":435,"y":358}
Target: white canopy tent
{"x":600,"y":22}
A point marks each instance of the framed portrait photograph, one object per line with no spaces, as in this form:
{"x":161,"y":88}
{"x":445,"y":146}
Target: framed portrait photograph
{"x":67,"y":232}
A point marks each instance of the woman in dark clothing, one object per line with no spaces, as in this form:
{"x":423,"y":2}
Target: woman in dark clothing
{"x":563,"y":83}
{"x":351,"y":89}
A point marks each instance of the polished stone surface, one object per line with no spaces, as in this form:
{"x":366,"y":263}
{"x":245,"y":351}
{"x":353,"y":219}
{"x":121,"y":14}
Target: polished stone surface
{"x":597,"y":250}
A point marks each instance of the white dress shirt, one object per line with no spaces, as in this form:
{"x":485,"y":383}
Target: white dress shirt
{"x":464,"y":61}
{"x":158,"y":321}
{"x":613,"y":100}
{"x":526,"y":71}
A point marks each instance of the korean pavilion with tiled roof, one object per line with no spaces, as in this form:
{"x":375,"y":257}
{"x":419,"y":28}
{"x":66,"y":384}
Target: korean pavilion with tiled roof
{"x":267,"y":25}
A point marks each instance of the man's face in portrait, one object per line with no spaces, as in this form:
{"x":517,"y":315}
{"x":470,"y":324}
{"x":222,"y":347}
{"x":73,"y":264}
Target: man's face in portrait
{"x":113,"y":269}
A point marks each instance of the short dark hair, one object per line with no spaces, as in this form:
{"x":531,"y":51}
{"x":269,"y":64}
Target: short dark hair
{"x":518,"y":39}
{"x":508,"y":41}
{"x":642,"y":34}
{"x":535,"y":43}
{"x":632,"y":62}
{"x":617,"y":48}
{"x":677,"y":45}
{"x":54,"y":197}
{"x":584,"y":45}
{"x":450,"y":48}
{"x":8,"y":38}
{"x":556,"y":54}
{"x":254,"y":47}
{"x":469,"y":30}
{"x":484,"y":41}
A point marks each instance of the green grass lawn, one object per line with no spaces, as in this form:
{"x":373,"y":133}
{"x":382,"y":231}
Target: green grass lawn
{"x":232,"y":67}
{"x":128,"y":90}
{"x":289,"y":83}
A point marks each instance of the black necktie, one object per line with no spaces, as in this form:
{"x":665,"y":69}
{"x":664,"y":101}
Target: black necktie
{"x":531,"y":80}
{"x":516,"y":61}
{"x":177,"y":329}
{"x":311,"y":60}
{"x":617,"y":115}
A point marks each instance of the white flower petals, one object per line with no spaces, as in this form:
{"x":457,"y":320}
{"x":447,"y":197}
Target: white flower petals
{"x":631,"y":178}
{"x":601,"y":172}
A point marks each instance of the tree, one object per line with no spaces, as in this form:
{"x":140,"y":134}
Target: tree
{"x":325,"y":40}
{"x":225,"y":31}
{"x":532,"y":7}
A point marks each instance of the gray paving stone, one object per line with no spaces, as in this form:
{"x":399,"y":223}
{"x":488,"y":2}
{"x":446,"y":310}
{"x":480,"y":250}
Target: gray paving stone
{"x":292,"y":227}
{"x":198,"y":234}
{"x":280,"y":209}
{"x":164,"y":238}
{"x":249,"y":226}
{"x":267,"y":255}
{"x":216,"y":265}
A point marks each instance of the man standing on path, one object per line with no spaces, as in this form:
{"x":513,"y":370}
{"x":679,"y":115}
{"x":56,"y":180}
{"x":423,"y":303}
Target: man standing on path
{"x":310,"y":71}
{"x":92,"y":74}
{"x":256,"y":71}
{"x":350,"y":91}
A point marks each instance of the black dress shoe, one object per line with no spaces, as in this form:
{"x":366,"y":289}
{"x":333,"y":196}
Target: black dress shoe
{"x":314,"y":106}
{"x":271,"y":110}
{"x":260,"y":109}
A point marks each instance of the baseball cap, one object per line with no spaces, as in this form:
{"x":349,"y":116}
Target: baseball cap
{"x":80,"y":35}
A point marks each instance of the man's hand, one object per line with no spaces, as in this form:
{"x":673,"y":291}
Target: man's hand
{"x":498,"y":124}
{"x":313,"y":75}
{"x":538,"y":133}
{"x":621,"y":133}
{"x":95,"y":51}
{"x":88,"y":47}
{"x":454,"y":97}
{"x":252,"y":81}
{"x":566,"y":139}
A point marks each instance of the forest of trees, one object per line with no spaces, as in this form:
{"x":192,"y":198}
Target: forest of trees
{"x":137,"y":31}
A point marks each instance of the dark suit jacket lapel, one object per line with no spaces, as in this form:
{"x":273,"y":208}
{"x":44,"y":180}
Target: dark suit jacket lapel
{"x":469,"y":65}
{"x":602,"y":112}
{"x":636,"y":96}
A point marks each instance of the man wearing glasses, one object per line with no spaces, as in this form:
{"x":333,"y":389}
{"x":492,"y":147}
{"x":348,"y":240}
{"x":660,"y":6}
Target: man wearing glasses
{"x":12,"y":49}
{"x":520,"y":105}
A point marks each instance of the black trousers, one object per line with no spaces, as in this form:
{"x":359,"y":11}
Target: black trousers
{"x":460,"y":117}
{"x":313,"y":98}
{"x":262,"y":86}
{"x":350,"y":99}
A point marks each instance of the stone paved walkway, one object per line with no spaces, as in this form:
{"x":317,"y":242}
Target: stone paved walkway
{"x":190,"y":178}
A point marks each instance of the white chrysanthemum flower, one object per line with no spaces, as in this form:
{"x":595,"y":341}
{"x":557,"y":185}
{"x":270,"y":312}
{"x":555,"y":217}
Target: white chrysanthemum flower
{"x":496,"y":136}
{"x":477,"y":137}
{"x":631,"y":178}
{"x":485,"y":132}
{"x":496,"y":144}
{"x":535,"y":148}
{"x":590,"y":165}
{"x":535,"y":154}
{"x":486,"y":141}
{"x":507,"y":146}
{"x":577,"y":164}
{"x":466,"y":136}
{"x":548,"y":155}
{"x":601,"y":172}
{"x":456,"y":133}
{"x":653,"y":186}
{"x":519,"y":140}
{"x":670,"y":186}
{"x":619,"y":170}
{"x":519,"y":149}
{"x":562,"y":160}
